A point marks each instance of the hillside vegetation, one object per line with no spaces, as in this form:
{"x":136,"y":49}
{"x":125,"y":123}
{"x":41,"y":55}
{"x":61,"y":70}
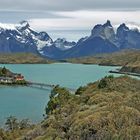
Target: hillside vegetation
{"x":133,"y":65}
{"x":108,"y":109}
{"x":22,"y":58}
{"x":117,"y":58}
{"x":129,"y":59}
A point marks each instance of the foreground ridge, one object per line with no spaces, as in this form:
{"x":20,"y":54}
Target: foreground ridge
{"x":106,"y":109}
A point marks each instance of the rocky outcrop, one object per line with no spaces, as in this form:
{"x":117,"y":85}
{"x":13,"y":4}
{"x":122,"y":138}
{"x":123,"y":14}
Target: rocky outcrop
{"x":132,"y":69}
{"x":104,"y":31}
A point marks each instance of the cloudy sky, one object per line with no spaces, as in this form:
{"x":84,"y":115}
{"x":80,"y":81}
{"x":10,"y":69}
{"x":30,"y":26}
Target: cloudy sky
{"x":68,"y":5}
{"x":69,"y":14}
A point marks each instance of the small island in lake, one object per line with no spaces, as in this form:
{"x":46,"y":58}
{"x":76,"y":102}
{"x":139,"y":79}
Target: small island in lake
{"x":9,"y":78}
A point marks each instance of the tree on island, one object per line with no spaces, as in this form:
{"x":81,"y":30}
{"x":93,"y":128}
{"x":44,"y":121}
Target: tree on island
{"x":4,"y":71}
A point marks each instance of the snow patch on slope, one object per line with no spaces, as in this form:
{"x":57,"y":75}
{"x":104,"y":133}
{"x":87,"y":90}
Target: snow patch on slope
{"x":131,"y":26}
{"x":41,"y":44}
{"x":8,"y":26}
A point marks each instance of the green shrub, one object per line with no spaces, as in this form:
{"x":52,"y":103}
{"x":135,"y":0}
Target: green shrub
{"x":80,"y":90}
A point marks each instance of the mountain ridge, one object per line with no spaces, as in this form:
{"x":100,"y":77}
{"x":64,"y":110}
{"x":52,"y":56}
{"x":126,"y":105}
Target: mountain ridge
{"x":124,"y":38}
{"x":103,"y":39}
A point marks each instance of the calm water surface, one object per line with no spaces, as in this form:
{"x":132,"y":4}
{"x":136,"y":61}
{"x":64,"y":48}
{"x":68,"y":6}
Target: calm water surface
{"x":25,"y":102}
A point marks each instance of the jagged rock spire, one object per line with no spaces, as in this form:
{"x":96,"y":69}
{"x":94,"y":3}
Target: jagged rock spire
{"x":108,"y":23}
{"x":24,"y":24}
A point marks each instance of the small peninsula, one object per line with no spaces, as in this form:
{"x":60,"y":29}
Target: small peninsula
{"x":9,"y":78}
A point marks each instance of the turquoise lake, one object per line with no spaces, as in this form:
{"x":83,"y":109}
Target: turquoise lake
{"x":27,"y":102}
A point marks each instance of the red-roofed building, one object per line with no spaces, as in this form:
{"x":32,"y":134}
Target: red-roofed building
{"x":19,"y":77}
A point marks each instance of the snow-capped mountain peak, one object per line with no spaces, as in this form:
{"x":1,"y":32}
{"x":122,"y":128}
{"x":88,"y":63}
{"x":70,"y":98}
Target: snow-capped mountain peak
{"x":7,"y":26}
{"x":63,"y":44}
{"x":23,"y":25}
{"x":20,"y":37}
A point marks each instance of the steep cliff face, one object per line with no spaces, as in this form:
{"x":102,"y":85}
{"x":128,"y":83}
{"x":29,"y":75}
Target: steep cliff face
{"x":103,"y":39}
{"x":104,"y":31}
{"x":128,"y":38}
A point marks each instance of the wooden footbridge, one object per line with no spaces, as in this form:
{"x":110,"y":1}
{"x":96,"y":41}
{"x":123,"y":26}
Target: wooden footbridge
{"x":45,"y":86}
{"x":40,"y":85}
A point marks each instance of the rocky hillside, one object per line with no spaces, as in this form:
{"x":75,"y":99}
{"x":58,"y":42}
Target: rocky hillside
{"x":106,"y":109}
{"x":118,"y":58}
{"x":132,"y":66}
{"x":129,"y":59}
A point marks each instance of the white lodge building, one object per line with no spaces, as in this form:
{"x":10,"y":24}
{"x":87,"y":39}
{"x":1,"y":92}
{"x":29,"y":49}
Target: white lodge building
{"x":6,"y":80}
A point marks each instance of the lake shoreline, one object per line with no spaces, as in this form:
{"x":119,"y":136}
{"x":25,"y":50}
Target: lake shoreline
{"x":21,"y":100}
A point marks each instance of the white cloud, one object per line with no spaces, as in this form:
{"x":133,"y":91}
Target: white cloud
{"x":60,"y":23}
{"x":84,"y":19}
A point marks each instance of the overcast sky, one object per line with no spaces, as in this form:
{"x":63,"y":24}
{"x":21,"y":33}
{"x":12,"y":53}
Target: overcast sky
{"x":61,"y":5}
{"x":69,"y":14}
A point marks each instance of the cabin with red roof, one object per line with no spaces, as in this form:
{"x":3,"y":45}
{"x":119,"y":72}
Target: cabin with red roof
{"x":19,"y":77}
